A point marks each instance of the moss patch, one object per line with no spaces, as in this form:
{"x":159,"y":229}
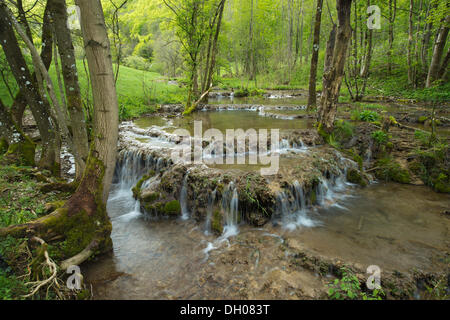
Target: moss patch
{"x":172,"y":208}
{"x":354,"y":176}
{"x":22,"y":153}
{"x":216,"y":224}
{"x":390,"y":170}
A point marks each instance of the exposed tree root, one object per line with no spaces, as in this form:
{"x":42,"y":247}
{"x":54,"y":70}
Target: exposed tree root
{"x":59,"y":186}
{"x":41,"y":268}
{"x":81,"y":257}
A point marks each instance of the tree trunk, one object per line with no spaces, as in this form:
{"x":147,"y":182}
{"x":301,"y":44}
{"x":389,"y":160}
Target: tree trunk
{"x":444,"y":67}
{"x":312,"y":99}
{"x":410,"y":43}
{"x":20,"y":103}
{"x":438,"y":51}
{"x":39,"y":107}
{"x":392,"y":15}
{"x":106,"y":109}
{"x":332,"y":79}
{"x":71,"y":84}
{"x":215,"y":47}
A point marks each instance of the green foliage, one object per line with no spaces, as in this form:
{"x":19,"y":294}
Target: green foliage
{"x":343,"y":130}
{"x":432,"y":163}
{"x":172,"y":208}
{"x":438,"y":289}
{"x":369,"y":116}
{"x":10,"y":287}
{"x":380,"y":137}
{"x":348,"y":288}
{"x":137,"y":62}
{"x":390,"y":170}
{"x":20,"y":199}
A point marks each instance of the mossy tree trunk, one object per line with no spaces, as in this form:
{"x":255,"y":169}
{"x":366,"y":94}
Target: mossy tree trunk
{"x":332,"y":78}
{"x":438,"y":52}
{"x":315,"y":56}
{"x":16,"y":146}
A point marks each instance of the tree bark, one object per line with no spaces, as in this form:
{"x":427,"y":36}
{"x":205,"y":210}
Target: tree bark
{"x":312,"y":99}
{"x":215,"y":46}
{"x":444,"y":67}
{"x":392,"y":16}
{"x":106,"y":109}
{"x":71,"y":84}
{"x":438,"y":51}
{"x":410,"y":43}
{"x":332,"y":79}
{"x":20,"y":103}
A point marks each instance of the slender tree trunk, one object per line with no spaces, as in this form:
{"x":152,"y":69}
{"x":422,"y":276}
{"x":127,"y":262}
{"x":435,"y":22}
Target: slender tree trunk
{"x":301,"y":34}
{"x":106,"y":110}
{"x":392,"y":16}
{"x":251,"y":55}
{"x":438,"y":51}
{"x":444,"y":67}
{"x":410,"y":43}
{"x":20,"y":103}
{"x":71,"y":84}
{"x":312,"y":99}
{"x":332,"y":79}
{"x":215,"y":46}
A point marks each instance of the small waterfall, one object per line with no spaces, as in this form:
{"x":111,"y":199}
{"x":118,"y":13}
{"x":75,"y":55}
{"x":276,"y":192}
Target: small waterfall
{"x":230,"y":202}
{"x":209,"y":211}
{"x":299,"y":195}
{"x":183,"y":198}
{"x":130,"y":168}
{"x":292,"y":208}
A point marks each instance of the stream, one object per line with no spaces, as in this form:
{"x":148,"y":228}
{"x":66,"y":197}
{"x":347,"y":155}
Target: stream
{"x":396,"y":227}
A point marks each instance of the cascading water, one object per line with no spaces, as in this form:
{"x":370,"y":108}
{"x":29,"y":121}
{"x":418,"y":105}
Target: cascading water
{"x":130,"y":168}
{"x":293,"y":212}
{"x":183,"y":199}
{"x":230,"y":202}
{"x":209,"y":211}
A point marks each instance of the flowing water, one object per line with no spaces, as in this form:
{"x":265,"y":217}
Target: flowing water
{"x":393,"y":226}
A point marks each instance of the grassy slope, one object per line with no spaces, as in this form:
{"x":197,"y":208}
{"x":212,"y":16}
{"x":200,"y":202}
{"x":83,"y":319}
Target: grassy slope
{"x":138,"y":91}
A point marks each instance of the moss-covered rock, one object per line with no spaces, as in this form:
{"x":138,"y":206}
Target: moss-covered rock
{"x":172,"y":208}
{"x":3,"y":145}
{"x":355,"y":176}
{"x":390,"y":170}
{"x":149,"y":197}
{"x":442,"y":184}
{"x":22,"y":152}
{"x":217,"y":222}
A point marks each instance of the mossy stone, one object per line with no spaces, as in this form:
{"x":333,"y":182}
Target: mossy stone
{"x":354,"y":176}
{"x":216,"y":224}
{"x":172,"y":208}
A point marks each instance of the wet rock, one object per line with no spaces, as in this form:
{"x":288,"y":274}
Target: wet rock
{"x":356,"y":177}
